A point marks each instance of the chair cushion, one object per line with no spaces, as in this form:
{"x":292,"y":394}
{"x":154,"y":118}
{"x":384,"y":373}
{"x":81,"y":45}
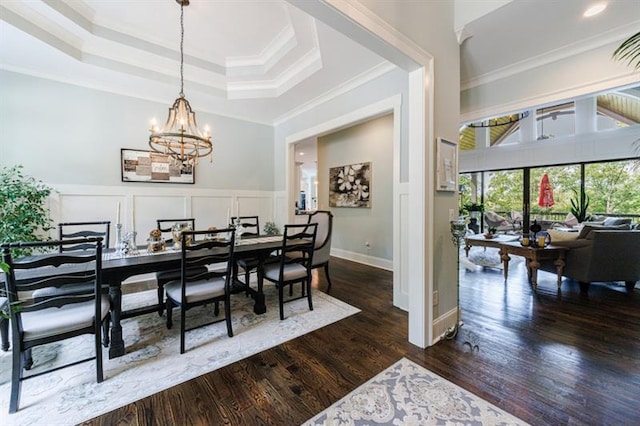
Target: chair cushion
{"x":53,"y":321}
{"x":292,"y":271}
{"x":176,"y":274}
{"x":196,"y":291}
{"x":612,"y":221}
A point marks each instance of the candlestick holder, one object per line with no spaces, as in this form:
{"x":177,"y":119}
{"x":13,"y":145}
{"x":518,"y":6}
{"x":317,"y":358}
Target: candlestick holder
{"x":237,"y":225}
{"x":119,"y":244}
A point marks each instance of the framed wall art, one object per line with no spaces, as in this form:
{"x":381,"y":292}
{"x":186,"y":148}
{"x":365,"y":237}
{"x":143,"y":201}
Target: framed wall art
{"x":149,"y":166}
{"x":350,"y":186}
{"x":447,"y":165}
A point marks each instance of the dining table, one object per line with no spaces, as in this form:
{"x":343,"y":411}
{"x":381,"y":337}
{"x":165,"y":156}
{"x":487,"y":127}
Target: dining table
{"x":117,"y":267}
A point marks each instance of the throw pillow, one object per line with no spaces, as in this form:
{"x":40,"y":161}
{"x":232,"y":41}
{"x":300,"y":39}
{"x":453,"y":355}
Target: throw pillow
{"x":570,"y":220}
{"x":494,"y":219}
{"x":557,"y":236}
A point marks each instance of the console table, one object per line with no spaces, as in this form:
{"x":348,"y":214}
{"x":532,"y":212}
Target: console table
{"x":533,"y":255}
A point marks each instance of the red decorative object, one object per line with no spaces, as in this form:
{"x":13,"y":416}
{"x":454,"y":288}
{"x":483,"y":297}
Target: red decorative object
{"x":546,"y":193}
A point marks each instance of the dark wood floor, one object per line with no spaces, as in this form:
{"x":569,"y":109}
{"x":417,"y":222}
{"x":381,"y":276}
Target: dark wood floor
{"x":548,"y":358}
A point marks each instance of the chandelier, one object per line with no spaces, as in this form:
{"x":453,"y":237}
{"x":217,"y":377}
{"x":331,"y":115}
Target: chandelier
{"x":180,"y":138}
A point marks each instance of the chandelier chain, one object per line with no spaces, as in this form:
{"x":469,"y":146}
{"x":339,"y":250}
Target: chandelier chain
{"x":182,"y":50}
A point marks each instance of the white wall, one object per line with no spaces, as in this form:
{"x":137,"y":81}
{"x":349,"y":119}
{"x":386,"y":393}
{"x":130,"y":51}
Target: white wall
{"x":609,"y":144}
{"x":584,"y":73}
{"x":371,"y":141}
{"x":65,"y":134}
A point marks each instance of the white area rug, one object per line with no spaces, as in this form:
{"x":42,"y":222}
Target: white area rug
{"x":408,"y":394}
{"x":153,"y":361}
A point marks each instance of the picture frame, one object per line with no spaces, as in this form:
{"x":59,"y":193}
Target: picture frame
{"x":350,"y":185}
{"x":447,"y":165}
{"x":150,"y":166}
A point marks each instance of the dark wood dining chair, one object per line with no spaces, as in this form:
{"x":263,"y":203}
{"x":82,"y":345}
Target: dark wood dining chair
{"x":35,"y":323}
{"x":250,"y":227}
{"x":211,"y":286}
{"x":166,"y":226}
{"x":295,"y":262}
{"x":71,"y":230}
{"x":77,"y":231}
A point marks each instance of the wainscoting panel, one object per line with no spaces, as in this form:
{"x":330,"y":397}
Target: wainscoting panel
{"x":254,"y":205}
{"x":144,"y":204}
{"x":149,"y":208}
{"x":211,"y":210}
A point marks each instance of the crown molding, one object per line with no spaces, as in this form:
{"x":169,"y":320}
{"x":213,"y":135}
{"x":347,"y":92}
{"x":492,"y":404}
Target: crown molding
{"x":555,"y":55}
{"x":365,"y":77}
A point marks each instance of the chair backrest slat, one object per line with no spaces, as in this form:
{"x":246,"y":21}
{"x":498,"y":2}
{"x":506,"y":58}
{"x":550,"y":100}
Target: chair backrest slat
{"x":166,"y":225}
{"x":73,"y":230}
{"x":250,"y":225}
{"x":298,"y":244}
{"x":207,"y":247}
{"x":51,"y":270}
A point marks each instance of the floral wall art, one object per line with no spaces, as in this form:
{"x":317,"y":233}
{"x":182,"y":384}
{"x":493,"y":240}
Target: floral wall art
{"x":350,"y":186}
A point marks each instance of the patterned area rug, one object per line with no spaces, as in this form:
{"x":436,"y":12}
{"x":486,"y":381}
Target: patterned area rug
{"x":408,"y":394}
{"x":153,"y":361}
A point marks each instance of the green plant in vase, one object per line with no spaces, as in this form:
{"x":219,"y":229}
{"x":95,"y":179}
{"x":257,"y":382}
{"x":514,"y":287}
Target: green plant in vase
{"x":270,"y":228}
{"x":24,"y":214}
{"x":579,"y":206}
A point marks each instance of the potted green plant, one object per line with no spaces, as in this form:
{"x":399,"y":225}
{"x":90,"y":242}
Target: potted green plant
{"x":474,"y":209}
{"x":270,"y":228}
{"x":629,"y":51}
{"x":579,"y":206}
{"x":24,"y":214}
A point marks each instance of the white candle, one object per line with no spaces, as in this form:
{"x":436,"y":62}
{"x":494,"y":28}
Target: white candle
{"x":118,"y":214}
{"x":237,"y":209}
{"x":133,"y":216}
{"x":228,"y":217}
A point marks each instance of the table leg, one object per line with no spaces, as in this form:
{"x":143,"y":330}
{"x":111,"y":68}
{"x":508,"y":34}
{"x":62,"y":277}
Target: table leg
{"x":527,"y":262}
{"x":534,"y":265}
{"x":116,"y":348}
{"x":259,"y":307}
{"x":504,"y":255}
{"x":560,"y":263}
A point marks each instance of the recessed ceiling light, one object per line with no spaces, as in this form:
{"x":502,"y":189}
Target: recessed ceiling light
{"x":301,"y":153}
{"x":593,"y":10}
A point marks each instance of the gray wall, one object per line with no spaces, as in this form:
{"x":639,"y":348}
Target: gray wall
{"x":371,"y":141}
{"x":383,"y":87}
{"x":65,"y":134}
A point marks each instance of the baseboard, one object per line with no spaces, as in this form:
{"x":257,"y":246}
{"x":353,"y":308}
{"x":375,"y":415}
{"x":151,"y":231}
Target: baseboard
{"x":376,"y":262}
{"x":443,"y":323}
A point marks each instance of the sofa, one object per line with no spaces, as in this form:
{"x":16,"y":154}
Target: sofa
{"x":600,"y":253}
